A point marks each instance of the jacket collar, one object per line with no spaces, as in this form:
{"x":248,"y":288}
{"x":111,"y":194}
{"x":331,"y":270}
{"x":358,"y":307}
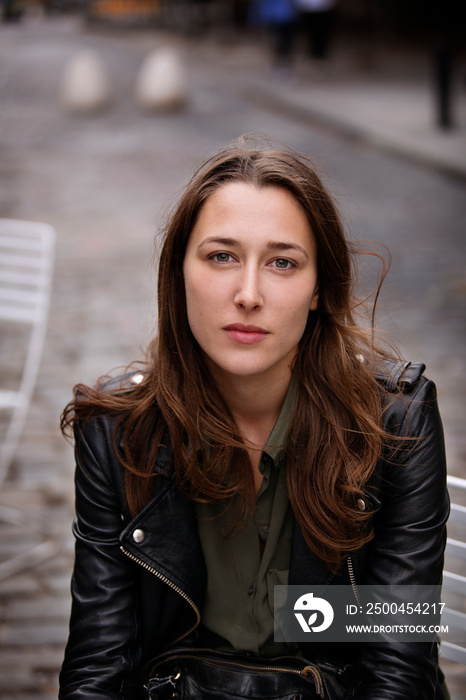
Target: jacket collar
{"x":163,"y":537}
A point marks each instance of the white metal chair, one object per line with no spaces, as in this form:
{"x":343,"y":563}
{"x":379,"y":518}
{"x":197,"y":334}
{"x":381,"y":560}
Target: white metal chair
{"x":26,"y":264}
{"x":454,"y":615}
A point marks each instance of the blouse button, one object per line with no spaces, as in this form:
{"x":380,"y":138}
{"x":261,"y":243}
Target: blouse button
{"x":139,"y":536}
{"x":361,"y":504}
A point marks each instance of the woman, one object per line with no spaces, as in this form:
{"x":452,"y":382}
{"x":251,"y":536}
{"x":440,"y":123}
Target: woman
{"x":265,"y":441}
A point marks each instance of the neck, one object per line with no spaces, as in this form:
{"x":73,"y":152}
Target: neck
{"x":254,"y":402}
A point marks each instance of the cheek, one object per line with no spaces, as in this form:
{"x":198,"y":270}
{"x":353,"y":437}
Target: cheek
{"x":198,"y":293}
{"x":299,"y":304}
{"x":200,"y":303}
{"x":191,"y":301}
{"x":294,"y":318}
{"x":192,"y":283}
{"x":194,"y":316}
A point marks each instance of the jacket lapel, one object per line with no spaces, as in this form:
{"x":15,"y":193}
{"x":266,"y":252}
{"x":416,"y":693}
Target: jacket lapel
{"x":163,"y":537}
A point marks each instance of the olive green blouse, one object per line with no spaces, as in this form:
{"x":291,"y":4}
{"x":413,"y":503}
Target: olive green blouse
{"x":244,"y":567}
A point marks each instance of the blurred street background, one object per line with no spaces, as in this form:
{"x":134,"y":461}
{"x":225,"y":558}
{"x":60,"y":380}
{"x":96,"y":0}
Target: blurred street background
{"x":382,"y":114}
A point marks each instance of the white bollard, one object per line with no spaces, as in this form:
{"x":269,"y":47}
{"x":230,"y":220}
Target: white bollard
{"x":162,"y":82}
{"x":85,"y":84}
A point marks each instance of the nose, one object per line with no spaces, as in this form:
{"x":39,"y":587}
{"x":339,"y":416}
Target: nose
{"x":248,"y":295}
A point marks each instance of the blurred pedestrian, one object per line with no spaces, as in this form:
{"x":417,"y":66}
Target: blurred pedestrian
{"x":12,"y":10}
{"x":317,"y":19}
{"x":279,"y":16}
{"x":447,"y":37}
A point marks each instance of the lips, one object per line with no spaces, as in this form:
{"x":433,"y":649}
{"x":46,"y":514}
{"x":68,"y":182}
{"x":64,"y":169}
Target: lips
{"x":245,"y":334}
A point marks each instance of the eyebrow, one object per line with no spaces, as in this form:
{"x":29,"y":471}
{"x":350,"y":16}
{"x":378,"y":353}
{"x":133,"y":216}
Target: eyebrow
{"x":273,"y":245}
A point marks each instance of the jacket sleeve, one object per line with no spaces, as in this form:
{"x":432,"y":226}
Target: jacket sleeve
{"x":410,"y":534}
{"x":97,"y":662}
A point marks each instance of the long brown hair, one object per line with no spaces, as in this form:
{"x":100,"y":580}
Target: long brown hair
{"x":335,"y":436}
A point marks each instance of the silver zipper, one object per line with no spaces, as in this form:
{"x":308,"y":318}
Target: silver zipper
{"x":349,"y":563}
{"x":172,"y":586}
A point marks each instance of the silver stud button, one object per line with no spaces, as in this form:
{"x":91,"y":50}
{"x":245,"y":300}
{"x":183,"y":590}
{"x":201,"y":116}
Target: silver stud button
{"x":139,"y":536}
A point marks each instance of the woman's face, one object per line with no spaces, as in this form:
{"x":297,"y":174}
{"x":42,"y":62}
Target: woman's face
{"x":250,"y":274}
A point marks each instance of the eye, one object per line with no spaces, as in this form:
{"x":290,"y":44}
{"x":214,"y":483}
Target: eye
{"x":283,"y":264}
{"x":221,"y":257}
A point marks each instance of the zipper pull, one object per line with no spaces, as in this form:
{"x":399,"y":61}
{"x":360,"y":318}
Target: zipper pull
{"x":313,"y":672}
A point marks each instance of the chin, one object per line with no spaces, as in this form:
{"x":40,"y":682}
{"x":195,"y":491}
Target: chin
{"x":241,"y":370}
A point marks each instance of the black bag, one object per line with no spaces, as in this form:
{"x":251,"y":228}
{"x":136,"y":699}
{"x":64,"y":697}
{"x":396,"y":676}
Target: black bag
{"x":203,"y":674}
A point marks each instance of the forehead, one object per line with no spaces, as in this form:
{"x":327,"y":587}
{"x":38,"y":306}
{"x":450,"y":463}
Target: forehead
{"x":232,"y":194}
{"x":245,"y":209}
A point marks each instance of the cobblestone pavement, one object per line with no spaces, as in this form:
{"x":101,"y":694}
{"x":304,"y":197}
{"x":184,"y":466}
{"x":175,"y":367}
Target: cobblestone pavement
{"x":104,"y":183}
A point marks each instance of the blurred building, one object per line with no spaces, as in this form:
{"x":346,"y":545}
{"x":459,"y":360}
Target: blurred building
{"x":400,"y":18}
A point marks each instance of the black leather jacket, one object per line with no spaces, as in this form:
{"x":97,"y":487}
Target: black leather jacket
{"x":138,"y":585}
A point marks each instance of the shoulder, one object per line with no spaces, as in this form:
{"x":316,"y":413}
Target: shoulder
{"x":122,"y":383}
{"x":98,"y":436}
{"x":105,"y":416}
{"x":409,"y":397}
{"x":412,"y":470}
